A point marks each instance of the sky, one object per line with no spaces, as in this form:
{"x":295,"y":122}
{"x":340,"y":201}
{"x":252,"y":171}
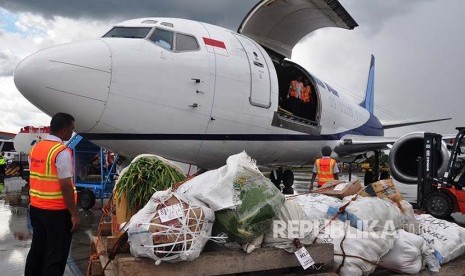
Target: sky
{"x":418,"y":45}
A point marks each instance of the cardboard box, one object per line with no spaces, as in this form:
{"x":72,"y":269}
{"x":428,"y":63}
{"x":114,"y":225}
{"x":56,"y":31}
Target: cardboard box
{"x":382,"y":189}
{"x":340,"y":188}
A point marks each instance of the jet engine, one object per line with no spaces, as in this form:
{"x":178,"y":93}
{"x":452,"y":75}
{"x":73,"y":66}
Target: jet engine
{"x":403,"y":157}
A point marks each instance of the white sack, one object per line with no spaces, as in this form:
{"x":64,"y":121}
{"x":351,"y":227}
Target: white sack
{"x":187,"y":243}
{"x":407,"y":254}
{"x":215,"y":188}
{"x":368,"y":245}
{"x":370,"y":213}
{"x":447,"y":238}
{"x":316,"y":205}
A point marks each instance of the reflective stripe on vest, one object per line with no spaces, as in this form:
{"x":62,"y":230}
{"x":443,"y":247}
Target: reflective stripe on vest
{"x":45,"y":189}
{"x":325,"y":170}
{"x":306,"y":94}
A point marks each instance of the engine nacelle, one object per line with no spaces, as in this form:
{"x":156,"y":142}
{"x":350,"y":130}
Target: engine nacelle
{"x":403,"y":157}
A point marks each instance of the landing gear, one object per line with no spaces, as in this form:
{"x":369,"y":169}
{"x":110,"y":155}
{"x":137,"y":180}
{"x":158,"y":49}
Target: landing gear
{"x":86,"y":199}
{"x":288,"y":181}
{"x":384,"y":175}
{"x":439,"y":205}
{"x":369,"y":178}
{"x":288,"y":178}
{"x":276,"y":176}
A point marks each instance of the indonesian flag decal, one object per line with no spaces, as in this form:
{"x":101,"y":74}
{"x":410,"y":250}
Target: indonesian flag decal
{"x":215,"y":46}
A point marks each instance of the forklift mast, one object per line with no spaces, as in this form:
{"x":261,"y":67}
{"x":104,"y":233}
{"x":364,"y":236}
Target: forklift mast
{"x":428,"y":166}
{"x":455,"y":151}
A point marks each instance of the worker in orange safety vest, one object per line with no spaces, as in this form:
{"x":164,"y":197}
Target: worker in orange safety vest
{"x":305,"y":103}
{"x":294,"y":96}
{"x":53,"y":212}
{"x":325,"y":168}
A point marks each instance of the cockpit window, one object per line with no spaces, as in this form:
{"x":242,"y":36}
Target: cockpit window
{"x":163,"y":38}
{"x":186,"y":43}
{"x":128,"y":32}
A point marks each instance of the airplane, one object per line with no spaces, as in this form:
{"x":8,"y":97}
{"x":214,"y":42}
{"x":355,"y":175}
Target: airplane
{"x":198,"y":93}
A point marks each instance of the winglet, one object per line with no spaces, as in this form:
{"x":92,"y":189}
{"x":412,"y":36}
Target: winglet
{"x":369,"y":101}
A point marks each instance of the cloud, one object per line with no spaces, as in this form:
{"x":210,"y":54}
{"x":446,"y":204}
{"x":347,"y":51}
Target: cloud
{"x":226,"y":13}
{"x":373,"y":15}
{"x":31,"y":33}
{"x":18,"y":112}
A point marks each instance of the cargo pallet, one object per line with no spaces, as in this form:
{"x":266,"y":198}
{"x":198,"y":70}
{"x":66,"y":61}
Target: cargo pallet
{"x":262,"y":261}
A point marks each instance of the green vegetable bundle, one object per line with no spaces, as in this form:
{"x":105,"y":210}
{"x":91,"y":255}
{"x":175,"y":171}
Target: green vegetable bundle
{"x":144,"y":177}
{"x":260,"y":202}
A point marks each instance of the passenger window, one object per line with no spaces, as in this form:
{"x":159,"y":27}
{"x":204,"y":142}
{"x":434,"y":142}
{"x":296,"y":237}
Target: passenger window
{"x":163,"y":38}
{"x":186,"y":43}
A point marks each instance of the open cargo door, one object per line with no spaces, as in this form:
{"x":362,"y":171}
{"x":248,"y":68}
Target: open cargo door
{"x":279,"y":24}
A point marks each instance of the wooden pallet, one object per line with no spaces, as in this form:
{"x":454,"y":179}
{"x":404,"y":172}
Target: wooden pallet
{"x":272,"y":260}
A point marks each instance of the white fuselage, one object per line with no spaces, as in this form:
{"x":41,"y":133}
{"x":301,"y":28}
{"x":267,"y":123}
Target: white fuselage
{"x":134,"y":86}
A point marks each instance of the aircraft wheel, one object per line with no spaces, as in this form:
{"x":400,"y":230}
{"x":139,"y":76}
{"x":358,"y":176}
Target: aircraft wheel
{"x":439,"y":205}
{"x":288,"y":191}
{"x":288,"y":178}
{"x":369,"y":178}
{"x":276,"y":179}
{"x":86,"y":199}
{"x":384,"y":175}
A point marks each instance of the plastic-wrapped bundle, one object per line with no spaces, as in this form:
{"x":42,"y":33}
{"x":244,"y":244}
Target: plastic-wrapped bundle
{"x":171,"y":227}
{"x":243,"y":199}
{"x":260,"y":202}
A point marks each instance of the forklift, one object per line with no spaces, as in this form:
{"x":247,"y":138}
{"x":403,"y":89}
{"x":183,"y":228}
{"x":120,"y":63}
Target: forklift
{"x":441,"y":196}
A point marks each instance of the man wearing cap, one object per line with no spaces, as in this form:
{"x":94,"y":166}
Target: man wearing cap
{"x":325,"y":168}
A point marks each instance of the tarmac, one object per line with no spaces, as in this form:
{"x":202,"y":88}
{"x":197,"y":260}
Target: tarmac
{"x":15,"y":235}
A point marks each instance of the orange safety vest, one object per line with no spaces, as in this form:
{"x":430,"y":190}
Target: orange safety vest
{"x":293,"y":88}
{"x":325,"y":170}
{"x":306,"y":94}
{"x":45,"y":190}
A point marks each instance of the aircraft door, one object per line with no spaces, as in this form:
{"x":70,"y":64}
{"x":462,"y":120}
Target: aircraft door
{"x":260,"y":85}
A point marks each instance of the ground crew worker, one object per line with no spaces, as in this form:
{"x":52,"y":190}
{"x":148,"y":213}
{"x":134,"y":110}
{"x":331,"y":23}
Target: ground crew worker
{"x":325,"y":168}
{"x":53,"y":212}
{"x":2,"y":165}
{"x":295,"y":94}
{"x":305,"y":104}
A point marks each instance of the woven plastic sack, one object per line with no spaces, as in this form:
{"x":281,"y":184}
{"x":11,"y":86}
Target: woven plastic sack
{"x":358,"y":246}
{"x":316,"y":205}
{"x":408,"y":253}
{"x":216,"y":188}
{"x":447,"y":238}
{"x":370,"y":213}
{"x":171,"y":227}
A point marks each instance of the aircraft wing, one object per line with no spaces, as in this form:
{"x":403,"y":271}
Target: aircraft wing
{"x":279,"y":24}
{"x":356,"y":144}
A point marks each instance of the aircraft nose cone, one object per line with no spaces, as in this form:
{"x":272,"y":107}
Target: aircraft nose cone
{"x":72,"y":78}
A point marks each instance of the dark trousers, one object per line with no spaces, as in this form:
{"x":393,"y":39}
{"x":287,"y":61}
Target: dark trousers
{"x":51,"y":240}
{"x":294,"y":105}
{"x":2,"y":170}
